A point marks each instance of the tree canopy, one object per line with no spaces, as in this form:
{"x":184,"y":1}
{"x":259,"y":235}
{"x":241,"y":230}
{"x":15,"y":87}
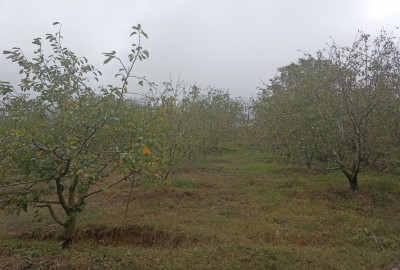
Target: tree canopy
{"x":338,"y":106}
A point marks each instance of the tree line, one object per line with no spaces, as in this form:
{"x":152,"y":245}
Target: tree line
{"x":63,"y":139}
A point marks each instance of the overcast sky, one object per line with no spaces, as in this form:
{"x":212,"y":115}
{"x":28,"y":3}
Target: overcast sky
{"x":230,"y":44}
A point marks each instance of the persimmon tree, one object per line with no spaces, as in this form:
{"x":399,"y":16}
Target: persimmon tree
{"x":212,"y":117}
{"x":190,"y":122}
{"x":336,"y":107}
{"x":62,"y":139}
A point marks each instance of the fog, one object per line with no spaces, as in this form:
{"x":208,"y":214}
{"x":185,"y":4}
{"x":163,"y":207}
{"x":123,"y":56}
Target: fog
{"x":231,"y":44}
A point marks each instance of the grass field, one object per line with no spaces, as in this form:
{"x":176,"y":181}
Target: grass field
{"x":236,"y":210}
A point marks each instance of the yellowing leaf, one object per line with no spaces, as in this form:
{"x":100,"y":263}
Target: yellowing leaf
{"x":19,"y":133}
{"x":78,"y":172}
{"x":167,"y":182}
{"x":146,"y":150}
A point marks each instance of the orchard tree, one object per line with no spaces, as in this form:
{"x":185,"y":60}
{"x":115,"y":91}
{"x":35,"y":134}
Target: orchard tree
{"x":190,"y":122}
{"x":214,"y":118}
{"x":63,"y":140}
{"x":173,"y":124}
{"x":159,"y":113}
{"x":223,"y":117}
{"x":288,"y":113}
{"x":245,"y":120}
{"x":336,"y":107}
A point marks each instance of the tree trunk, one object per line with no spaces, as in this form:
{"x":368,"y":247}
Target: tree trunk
{"x":353,"y":181}
{"x":69,"y":231}
{"x":309,"y":158}
{"x":308,"y":163}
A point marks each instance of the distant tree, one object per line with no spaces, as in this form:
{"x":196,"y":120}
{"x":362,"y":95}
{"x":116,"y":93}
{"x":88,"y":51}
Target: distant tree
{"x":337,"y":106}
{"x":191,"y":123}
{"x":61,"y":139}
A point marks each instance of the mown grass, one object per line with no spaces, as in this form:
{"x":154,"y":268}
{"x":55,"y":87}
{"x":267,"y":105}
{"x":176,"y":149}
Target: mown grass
{"x":240,"y":209}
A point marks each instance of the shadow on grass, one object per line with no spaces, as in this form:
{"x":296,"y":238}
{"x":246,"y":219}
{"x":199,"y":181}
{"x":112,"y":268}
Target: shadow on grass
{"x":131,"y":236}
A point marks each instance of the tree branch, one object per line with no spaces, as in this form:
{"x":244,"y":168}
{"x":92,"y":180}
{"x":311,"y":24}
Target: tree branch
{"x":54,"y":216}
{"x":109,"y":186}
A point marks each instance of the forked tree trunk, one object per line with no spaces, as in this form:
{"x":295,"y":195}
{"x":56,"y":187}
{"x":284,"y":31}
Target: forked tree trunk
{"x":353,"y":181}
{"x":69,"y":231}
{"x":350,"y":173}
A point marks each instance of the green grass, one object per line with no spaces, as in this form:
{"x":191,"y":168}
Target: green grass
{"x":237,"y":210}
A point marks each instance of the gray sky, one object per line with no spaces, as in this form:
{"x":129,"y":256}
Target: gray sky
{"x":226,"y":44}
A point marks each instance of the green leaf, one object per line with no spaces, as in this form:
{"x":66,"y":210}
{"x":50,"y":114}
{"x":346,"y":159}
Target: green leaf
{"x":108,"y":59}
{"x":5,"y":88}
{"x":145,"y":35}
{"x":37,"y":41}
{"x":138,"y":27}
